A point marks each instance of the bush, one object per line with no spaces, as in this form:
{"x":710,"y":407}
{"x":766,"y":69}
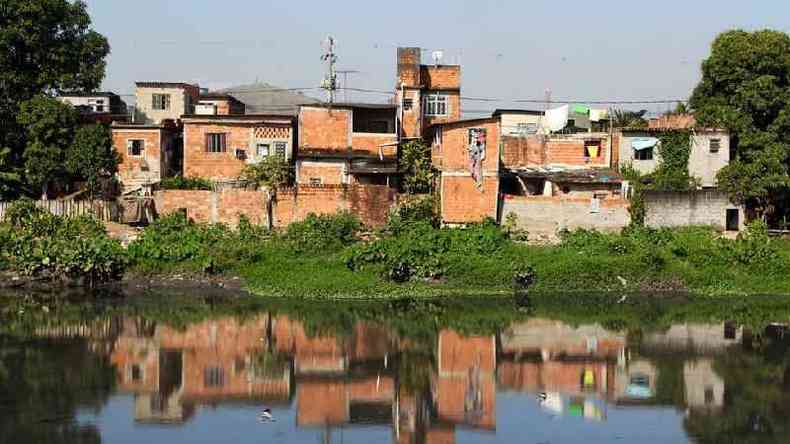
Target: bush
{"x":753,"y":246}
{"x":37,"y":243}
{"x":326,"y":232}
{"x":417,"y":210}
{"x":425,"y":250}
{"x":176,"y":240}
{"x":182,"y":183}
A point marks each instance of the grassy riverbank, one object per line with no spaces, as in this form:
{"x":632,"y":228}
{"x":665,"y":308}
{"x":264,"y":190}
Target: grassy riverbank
{"x":334,"y":257}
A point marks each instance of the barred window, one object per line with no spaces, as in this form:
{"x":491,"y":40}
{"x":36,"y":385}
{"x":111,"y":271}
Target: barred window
{"x":715,"y":145}
{"x":215,"y":143}
{"x":160,"y":102}
{"x":280,"y":148}
{"x":436,"y":105}
{"x":213,"y":377}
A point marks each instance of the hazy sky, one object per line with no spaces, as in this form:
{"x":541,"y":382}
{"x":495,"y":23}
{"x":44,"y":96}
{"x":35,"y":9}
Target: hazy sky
{"x":509,"y":49}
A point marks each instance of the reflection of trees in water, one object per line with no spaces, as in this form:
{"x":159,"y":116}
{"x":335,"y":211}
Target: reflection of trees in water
{"x":757,"y":400}
{"x":43,"y":384}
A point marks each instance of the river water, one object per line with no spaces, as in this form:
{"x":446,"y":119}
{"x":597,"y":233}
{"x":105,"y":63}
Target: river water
{"x":86,"y":375}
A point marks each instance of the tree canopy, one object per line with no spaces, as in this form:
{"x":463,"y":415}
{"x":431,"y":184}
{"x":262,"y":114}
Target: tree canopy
{"x":91,"y":156}
{"x":45,"y":46}
{"x":745,"y":88}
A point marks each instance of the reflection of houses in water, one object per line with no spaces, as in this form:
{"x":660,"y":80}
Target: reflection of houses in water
{"x":170,"y":371}
{"x":704,"y":388}
{"x":695,"y":338}
{"x":636,"y":382}
{"x":571,"y":366}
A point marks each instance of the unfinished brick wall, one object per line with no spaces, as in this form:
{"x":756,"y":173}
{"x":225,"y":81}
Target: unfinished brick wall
{"x":328,"y":172}
{"x":409,"y":66}
{"x":440,"y":77}
{"x":323,"y":129}
{"x":678,"y":209}
{"x":200,"y":163}
{"x":571,"y":152}
{"x":454,"y":151}
{"x":463,"y":202}
{"x":523,"y":151}
{"x":370,"y":202}
{"x":371,"y":143}
{"x":148,"y":166}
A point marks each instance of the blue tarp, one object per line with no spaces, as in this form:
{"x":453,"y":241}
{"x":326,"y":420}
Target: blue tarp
{"x":643,"y":143}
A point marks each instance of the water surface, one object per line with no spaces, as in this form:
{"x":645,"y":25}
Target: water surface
{"x":85,"y":375}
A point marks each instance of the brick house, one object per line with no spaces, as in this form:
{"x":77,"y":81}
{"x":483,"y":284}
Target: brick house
{"x":218,"y":146}
{"x":347,"y":144}
{"x":159,"y":101}
{"x":147,"y":153}
{"x":426,"y":94}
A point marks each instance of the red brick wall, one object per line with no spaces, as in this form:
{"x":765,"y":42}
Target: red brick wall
{"x":558,"y":150}
{"x":409,"y":66}
{"x":369,"y":144}
{"x":454,"y":152}
{"x":330,"y":173}
{"x":454,"y":100}
{"x":370,"y":202}
{"x":673,"y":121}
{"x":463,"y":202}
{"x":199,"y":163}
{"x":571,"y":152}
{"x":197,"y":203}
{"x":324,"y":129}
{"x":522,"y":151}
{"x":441,"y":77}
{"x":131,"y":167}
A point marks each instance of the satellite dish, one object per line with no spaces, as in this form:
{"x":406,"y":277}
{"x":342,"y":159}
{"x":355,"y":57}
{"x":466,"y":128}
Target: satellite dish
{"x":437,"y":56}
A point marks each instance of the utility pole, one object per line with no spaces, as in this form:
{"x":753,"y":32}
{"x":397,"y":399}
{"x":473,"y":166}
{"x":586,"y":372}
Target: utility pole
{"x":330,"y":80}
{"x":345,"y":73}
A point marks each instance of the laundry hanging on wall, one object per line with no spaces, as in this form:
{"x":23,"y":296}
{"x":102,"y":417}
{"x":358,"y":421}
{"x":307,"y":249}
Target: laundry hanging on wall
{"x":477,"y":154}
{"x":556,"y":118}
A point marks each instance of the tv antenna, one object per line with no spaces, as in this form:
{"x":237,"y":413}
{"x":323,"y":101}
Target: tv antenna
{"x":330,"y":80}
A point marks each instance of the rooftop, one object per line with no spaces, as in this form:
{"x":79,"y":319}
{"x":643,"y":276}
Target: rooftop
{"x":244,"y":117}
{"x":530,"y":112}
{"x":164,"y":85}
{"x":353,"y":105}
{"x":570,"y":175}
{"x":87,"y":94}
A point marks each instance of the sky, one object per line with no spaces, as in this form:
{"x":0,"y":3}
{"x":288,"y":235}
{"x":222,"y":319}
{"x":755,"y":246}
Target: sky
{"x":515,"y":49}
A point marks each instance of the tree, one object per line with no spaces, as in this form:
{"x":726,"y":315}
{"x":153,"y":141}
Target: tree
{"x":271,"y":173}
{"x":49,"y":127}
{"x":45,"y":46}
{"x":415,"y":161}
{"x":91,"y":156}
{"x":745,"y":88}
{"x":628,"y":119}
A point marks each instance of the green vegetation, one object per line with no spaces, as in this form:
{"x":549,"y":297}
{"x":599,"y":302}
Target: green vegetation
{"x":91,"y":156}
{"x":419,"y":174}
{"x":36,"y":243}
{"x":744,"y":89}
{"x":46,"y":46}
{"x":189,"y":183}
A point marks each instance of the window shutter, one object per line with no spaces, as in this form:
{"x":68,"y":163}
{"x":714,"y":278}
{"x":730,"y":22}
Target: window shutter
{"x":208,"y":142}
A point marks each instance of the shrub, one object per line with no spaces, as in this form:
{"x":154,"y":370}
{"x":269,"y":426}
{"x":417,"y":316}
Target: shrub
{"x":35,"y":242}
{"x":188,"y":183}
{"x":326,"y":232}
{"x":417,"y":210}
{"x":753,"y":246}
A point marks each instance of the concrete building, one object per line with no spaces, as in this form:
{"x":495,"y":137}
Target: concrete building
{"x":347,"y":143}
{"x":160,"y":101}
{"x":710,"y":152}
{"x":219,"y":105}
{"x":219,"y":146}
{"x":94,"y":102}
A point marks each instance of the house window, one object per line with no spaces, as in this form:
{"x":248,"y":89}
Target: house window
{"x":135,"y":147}
{"x":315,"y":181}
{"x":708,"y":395}
{"x":215,"y":143}
{"x":263,"y":150}
{"x":135,"y":373}
{"x":436,"y":105}
{"x":714,"y":145}
{"x":645,"y":154}
{"x":213,"y":377}
{"x":408,"y":104}
{"x":160,"y":102}
{"x":280,"y":149}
